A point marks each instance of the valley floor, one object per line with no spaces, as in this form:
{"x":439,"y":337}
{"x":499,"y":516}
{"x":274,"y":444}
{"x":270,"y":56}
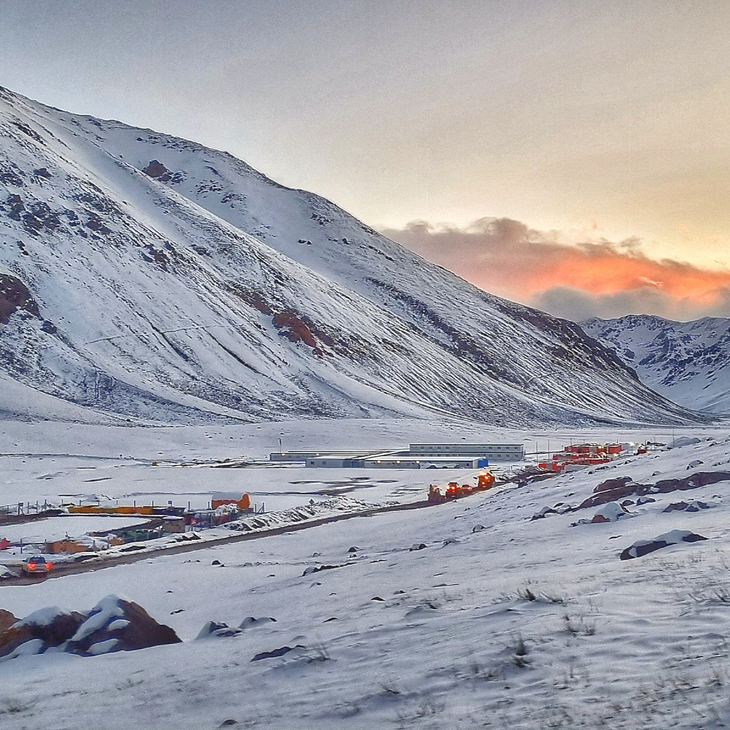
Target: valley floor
{"x":500,"y":621}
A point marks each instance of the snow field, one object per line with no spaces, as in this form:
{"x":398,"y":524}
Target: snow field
{"x":522,"y":624}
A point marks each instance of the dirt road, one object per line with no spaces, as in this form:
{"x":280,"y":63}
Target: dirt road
{"x":63,"y":569}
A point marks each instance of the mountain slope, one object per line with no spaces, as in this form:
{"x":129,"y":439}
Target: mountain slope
{"x":149,"y":276}
{"x":688,"y":362}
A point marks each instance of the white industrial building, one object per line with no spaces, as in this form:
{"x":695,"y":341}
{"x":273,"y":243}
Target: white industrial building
{"x":418,"y":456}
{"x":494,"y":452}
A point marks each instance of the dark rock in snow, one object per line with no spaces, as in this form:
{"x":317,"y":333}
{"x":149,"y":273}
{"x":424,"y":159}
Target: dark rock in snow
{"x":156,"y":169}
{"x":644,"y":500}
{"x":48,"y":627}
{"x":7,"y":619}
{"x":694,"y":506}
{"x":214,"y":629}
{"x":613,"y":490}
{"x":276,"y":652}
{"x":14,"y":296}
{"x":418,"y":546}
{"x":250,"y":622}
{"x":643,"y":547}
{"x":318,"y":568}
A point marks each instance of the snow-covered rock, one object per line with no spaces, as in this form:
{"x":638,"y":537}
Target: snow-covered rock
{"x":7,"y":619}
{"x":251,"y":622}
{"x":218,"y":630}
{"x":116,"y":624}
{"x":41,"y":630}
{"x":673,"y":537}
{"x":609,"y":513}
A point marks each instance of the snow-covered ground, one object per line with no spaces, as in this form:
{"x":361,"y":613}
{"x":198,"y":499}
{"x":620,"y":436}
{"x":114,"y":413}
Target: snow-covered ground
{"x":75,"y":462}
{"x":499,"y":621}
{"x":56,"y":528}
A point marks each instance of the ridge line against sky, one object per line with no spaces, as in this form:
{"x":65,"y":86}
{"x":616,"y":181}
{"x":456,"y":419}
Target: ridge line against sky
{"x":606,"y":121}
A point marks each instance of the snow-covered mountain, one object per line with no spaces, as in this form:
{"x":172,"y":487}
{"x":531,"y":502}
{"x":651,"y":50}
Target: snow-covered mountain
{"x":688,"y":362}
{"x":149,"y":276}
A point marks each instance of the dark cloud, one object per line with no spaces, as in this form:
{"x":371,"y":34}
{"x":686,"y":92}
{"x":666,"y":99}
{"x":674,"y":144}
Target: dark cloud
{"x":575,"y":280}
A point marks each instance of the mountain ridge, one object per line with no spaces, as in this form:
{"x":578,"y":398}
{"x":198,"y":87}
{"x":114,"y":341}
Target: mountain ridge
{"x":175,"y":282}
{"x":688,"y":362}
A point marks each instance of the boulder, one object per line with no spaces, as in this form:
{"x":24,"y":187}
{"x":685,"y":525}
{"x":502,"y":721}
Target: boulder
{"x":219,"y":630}
{"x":251,"y":623}
{"x":7,"y":619}
{"x":611,"y":490}
{"x":319,"y":568}
{"x":49,"y":627}
{"x":276,"y":652}
{"x":694,"y":506}
{"x":116,"y":624}
{"x":156,"y":169}
{"x":609,"y":513}
{"x":674,"y":537}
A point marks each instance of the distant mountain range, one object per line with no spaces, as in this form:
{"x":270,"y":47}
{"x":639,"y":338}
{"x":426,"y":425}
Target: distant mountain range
{"x":150,"y":277}
{"x":688,"y":362}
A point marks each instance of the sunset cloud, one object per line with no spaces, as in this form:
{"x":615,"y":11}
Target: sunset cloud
{"x":575,"y":280}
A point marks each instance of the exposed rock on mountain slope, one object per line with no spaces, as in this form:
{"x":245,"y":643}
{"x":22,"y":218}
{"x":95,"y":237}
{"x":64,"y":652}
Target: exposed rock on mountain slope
{"x":688,"y":362}
{"x":150,"y":276}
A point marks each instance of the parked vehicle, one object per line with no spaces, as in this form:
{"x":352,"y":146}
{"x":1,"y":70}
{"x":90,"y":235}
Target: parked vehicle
{"x":36,"y":565}
{"x":485,"y":480}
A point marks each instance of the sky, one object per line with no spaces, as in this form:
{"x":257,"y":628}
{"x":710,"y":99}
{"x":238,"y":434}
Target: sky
{"x":599,"y":130}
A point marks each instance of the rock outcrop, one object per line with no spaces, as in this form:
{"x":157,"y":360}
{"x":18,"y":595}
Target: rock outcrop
{"x":114,"y":624}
